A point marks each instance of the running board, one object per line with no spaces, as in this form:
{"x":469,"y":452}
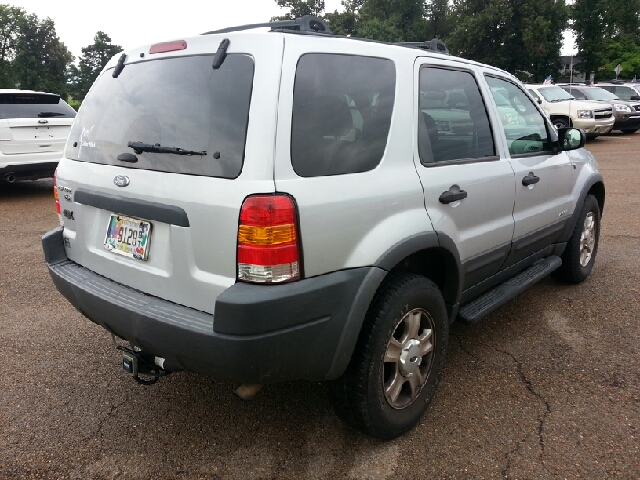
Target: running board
{"x":487,"y":303}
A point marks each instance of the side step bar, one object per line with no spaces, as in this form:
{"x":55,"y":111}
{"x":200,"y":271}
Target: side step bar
{"x":487,"y":303}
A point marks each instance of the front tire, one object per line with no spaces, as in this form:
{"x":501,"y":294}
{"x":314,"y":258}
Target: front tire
{"x":560,"y":123}
{"x":580,"y":253}
{"x":398,"y":359}
{"x":629,"y":130}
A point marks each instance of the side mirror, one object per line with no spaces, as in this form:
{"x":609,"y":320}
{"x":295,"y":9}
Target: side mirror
{"x":571,"y":138}
{"x":635,"y":97}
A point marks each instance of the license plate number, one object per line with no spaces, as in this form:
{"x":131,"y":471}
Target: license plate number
{"x":128,"y":236}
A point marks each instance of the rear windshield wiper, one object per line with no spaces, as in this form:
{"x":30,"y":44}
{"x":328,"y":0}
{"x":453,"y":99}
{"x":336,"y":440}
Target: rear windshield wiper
{"x":49,"y":114}
{"x":140,"y":147}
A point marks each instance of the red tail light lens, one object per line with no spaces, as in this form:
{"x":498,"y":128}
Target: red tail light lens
{"x":168,"y":46}
{"x":57,"y":198}
{"x":268,"y":244}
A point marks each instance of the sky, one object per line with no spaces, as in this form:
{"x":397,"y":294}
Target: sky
{"x":131,"y":23}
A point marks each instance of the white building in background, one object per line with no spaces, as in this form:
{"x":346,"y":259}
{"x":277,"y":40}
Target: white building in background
{"x":568,"y":65}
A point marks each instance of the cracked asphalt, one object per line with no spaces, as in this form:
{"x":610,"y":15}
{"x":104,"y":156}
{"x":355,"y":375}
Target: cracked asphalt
{"x":547,"y":387}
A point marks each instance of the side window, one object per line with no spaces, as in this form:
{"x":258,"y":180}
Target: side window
{"x":453,"y":122}
{"x":576,"y":93}
{"x":624,"y":93}
{"x":342,"y":107}
{"x":524,"y":126}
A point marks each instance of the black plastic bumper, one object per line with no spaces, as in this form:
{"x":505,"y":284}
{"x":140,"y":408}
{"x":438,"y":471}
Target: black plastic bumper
{"x":29,"y":170}
{"x":260,"y":334}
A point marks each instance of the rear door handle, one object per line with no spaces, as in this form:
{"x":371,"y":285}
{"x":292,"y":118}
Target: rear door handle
{"x":452,"y":195}
{"x":530,"y":179}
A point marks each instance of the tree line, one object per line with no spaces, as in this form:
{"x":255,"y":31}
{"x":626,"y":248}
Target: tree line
{"x":523,"y":37}
{"x":32,"y":56}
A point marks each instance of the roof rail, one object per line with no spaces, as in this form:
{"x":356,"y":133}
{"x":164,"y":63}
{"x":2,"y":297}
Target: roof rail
{"x":308,"y":23}
{"x":435,"y":45}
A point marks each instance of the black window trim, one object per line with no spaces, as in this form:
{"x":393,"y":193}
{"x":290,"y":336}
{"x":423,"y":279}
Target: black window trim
{"x":467,"y":160}
{"x":553,"y":138}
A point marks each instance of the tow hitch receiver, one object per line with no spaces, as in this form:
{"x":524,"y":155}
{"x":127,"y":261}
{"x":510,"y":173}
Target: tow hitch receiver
{"x":135,"y":362}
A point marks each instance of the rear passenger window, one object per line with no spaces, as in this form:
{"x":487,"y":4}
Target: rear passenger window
{"x":342,"y":107}
{"x":453,"y":122}
{"x":524,"y":126}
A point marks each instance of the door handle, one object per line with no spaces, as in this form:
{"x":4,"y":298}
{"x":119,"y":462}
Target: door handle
{"x":530,"y":179}
{"x":452,"y":195}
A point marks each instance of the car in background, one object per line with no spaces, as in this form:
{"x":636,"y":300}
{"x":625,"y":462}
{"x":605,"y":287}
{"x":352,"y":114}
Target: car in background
{"x":625,"y":91}
{"x":565,"y":111}
{"x":626,"y":113}
{"x":34,"y":127}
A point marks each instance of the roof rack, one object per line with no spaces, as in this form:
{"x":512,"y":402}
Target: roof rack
{"x":308,"y":23}
{"x":435,"y":45}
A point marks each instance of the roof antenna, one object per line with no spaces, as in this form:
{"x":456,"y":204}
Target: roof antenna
{"x":221,"y":54}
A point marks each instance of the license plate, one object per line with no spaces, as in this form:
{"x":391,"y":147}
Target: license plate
{"x":128,"y":236}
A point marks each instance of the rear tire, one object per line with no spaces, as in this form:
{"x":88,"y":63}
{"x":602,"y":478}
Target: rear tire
{"x":398,"y":359}
{"x":580,"y":254}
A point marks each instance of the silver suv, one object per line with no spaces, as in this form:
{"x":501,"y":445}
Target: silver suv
{"x":264,"y":206}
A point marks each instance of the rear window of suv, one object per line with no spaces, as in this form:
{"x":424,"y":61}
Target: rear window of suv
{"x":342,"y":107}
{"x":34,"y":105}
{"x":173,"y":103}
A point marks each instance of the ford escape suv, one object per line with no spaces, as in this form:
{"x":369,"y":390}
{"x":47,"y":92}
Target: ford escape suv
{"x":264,"y":205}
{"x":33,"y":131}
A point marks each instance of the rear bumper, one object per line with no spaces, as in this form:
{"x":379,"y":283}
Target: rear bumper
{"x":32,"y":170}
{"x":260,"y":334}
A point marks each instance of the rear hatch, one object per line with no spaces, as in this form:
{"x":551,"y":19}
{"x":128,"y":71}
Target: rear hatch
{"x":32,"y":122}
{"x":157,"y":219}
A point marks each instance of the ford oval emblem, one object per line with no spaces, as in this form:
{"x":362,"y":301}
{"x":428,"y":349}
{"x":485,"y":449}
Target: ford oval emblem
{"x":121,"y":180}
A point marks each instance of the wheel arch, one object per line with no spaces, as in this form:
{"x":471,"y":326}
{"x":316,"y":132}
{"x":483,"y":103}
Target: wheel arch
{"x":563,"y":117}
{"x":433,"y":255}
{"x":593,"y":186}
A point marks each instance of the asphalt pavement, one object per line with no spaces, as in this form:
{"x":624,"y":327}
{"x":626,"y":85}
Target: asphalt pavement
{"x":546,"y":387}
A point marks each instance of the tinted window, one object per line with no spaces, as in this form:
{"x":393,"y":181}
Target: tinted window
{"x":34,"y":105}
{"x":524,"y":126}
{"x":342,"y":109}
{"x":453,"y":122}
{"x":177,"y":102}
{"x":625,"y":93}
{"x":575,"y":93}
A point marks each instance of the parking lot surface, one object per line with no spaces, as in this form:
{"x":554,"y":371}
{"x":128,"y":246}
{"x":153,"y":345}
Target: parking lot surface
{"x":548,"y":386}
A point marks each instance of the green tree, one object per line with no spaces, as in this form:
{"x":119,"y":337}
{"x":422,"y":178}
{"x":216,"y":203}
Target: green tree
{"x":523,"y":37}
{"x":624,"y":52}
{"x":300,"y":8}
{"x":41,"y":59}
{"x":93,"y":60}
{"x":607,"y":33}
{"x":438,"y":15}
{"x":588,"y":24}
{"x":11,"y":21}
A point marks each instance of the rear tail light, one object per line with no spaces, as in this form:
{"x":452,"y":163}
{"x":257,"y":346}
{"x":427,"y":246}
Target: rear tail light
{"x":57,"y":198}
{"x":268,"y":243}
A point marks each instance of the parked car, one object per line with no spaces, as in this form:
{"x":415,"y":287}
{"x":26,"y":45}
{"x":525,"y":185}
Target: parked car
{"x":565,"y":111}
{"x":33,"y":130}
{"x":227,"y":211}
{"x":626,"y":113}
{"x":625,"y":91}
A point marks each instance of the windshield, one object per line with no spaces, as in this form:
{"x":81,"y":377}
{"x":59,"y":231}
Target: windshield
{"x":596,"y":93}
{"x":177,"y":103}
{"x":554,"y":94}
{"x":34,"y":105}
